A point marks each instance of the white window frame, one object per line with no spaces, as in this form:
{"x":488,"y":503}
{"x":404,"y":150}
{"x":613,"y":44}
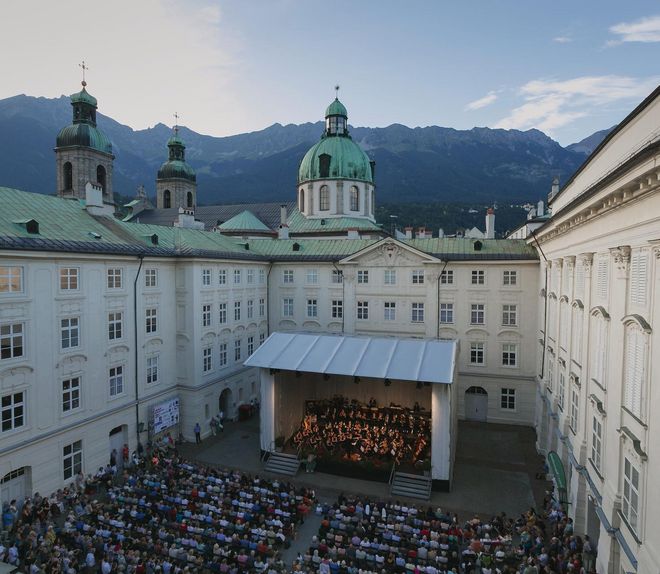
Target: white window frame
{"x":222,"y":313}
{"x":72,"y":459}
{"x":630,"y":496}
{"x":10,"y":275}
{"x":337,"y":276}
{"x":288,"y":276}
{"x":206,"y":315}
{"x":478,"y":277}
{"x":262,"y":276}
{"x":71,"y":394}
{"x":596,"y":442}
{"x":12,"y":341}
{"x":287,"y":307}
{"x":510,"y":355}
{"x":250,"y":345}
{"x":12,"y":411}
{"x":574,"y":415}
{"x":238,"y":349}
{"x":417,"y":277}
{"x":115,"y":325}
{"x":116,"y":380}
{"x":69,"y":278}
{"x":447,"y":277}
{"x":151,"y":277}
{"x":389,"y":311}
{"x":508,"y":399}
{"x":250,"y":308}
{"x":312,"y":308}
{"x":262,"y":307}
{"x":152,"y":373}
{"x":312,"y":276}
{"x":389,"y":277}
{"x":207,"y":359}
{"x":151,"y":320}
{"x":237,"y":310}
{"x":238,"y":276}
{"x":561,"y":390}
{"x":222,"y":357}
{"x":447,"y":313}
{"x":115,"y":279}
{"x":477,"y":314}
{"x":417,"y":312}
{"x":222,"y":277}
{"x":477,"y":353}
{"x":363,"y":276}
{"x":250,"y":276}
{"x":70,"y":336}
{"x":206,"y":277}
{"x":337,"y":309}
{"x":362,"y":310}
{"x":509,"y":277}
{"x":510,"y":315}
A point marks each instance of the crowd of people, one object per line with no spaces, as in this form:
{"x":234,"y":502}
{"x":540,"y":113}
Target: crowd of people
{"x":362,"y":536}
{"x":162,"y":515}
{"x":354,"y":431}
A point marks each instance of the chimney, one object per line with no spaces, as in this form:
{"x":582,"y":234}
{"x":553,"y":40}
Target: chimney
{"x":409,"y":231}
{"x":421,"y":233}
{"x":93,"y":195}
{"x":490,"y":223}
{"x":441,"y":233}
{"x":539,"y":208}
{"x":283,"y":216}
{"x":353,"y":233}
{"x":554,"y":190}
{"x":283,"y":231}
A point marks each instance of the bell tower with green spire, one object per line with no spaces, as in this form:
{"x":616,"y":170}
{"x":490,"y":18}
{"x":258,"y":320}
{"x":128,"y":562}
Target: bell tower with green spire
{"x":83,"y":152}
{"x":176,"y":184}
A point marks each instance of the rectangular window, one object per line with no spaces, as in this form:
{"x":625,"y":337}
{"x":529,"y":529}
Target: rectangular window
{"x":151,"y":277}
{"x":337,"y":277}
{"x":630,"y":503}
{"x":262,"y":307}
{"x":250,"y":345}
{"x":152,"y":369}
{"x":237,"y":276}
{"x":312,"y":308}
{"x":417,"y":313}
{"x":116,"y":380}
{"x":250,"y":276}
{"x":262,"y":276}
{"x":390,"y":277}
{"x":508,"y":399}
{"x":596,"y":442}
{"x":250,"y":309}
{"x":418,"y":277}
{"x":70,"y":331}
{"x":72,"y":459}
{"x":237,"y":310}
{"x":478,"y":277}
{"x":389,"y":311}
{"x":70,"y":394}
{"x":363,"y":309}
{"x":509,"y":278}
{"x":115,"y":325}
{"x":237,"y":349}
{"x":447,"y":277}
{"x":446,"y":312}
{"x":11,"y":341}
{"x":509,"y":355}
{"x":337,"y":309}
{"x":287,"y":307}
{"x":11,"y":279}
{"x":222,"y":277}
{"x":363,"y":276}
{"x":207,"y":359}
{"x":510,"y":315}
{"x":206,"y":277}
{"x":69,"y":278}
{"x":206,"y":315}
{"x":13,"y":411}
{"x":287,"y":276}
{"x":312,"y":276}
{"x":262,"y":338}
{"x":561,"y":391}
{"x":222,"y":313}
{"x":114,"y":278}
{"x":477,"y":314}
{"x":477,"y":356}
{"x":223,"y":354}
{"x":151,"y":320}
{"x":634,"y":367}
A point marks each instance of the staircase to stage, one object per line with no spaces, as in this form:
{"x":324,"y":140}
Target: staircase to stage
{"x":411,"y":486}
{"x":282,"y":463}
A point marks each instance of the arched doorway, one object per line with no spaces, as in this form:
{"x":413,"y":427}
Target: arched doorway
{"x":476,"y":404}
{"x":100,"y":176}
{"x":118,"y":438}
{"x":16,"y":485}
{"x":225,"y":403}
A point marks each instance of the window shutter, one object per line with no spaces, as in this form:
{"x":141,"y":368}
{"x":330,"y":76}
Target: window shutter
{"x":629,"y":379}
{"x":601,"y":280}
{"x":579,"y":281}
{"x":638,"y":278}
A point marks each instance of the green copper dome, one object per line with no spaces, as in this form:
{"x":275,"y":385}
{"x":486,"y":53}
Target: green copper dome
{"x":176,"y":166}
{"x":84,"y":134}
{"x":347,"y":161}
{"x":336,"y":108}
{"x":83,"y":97}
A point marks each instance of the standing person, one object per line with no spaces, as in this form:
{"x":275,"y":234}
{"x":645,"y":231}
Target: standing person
{"x":113,"y":457}
{"x":588,"y":555}
{"x":221,"y":417}
{"x":198,"y":433}
{"x":124,"y":454}
{"x":214,"y":426}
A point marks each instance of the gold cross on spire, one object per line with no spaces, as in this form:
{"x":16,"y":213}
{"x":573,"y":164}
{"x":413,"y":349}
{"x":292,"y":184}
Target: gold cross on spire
{"x":84,"y":68}
{"x":176,"y":122}
{"x":337,"y":91}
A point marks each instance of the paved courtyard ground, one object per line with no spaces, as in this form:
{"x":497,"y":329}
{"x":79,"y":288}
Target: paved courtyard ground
{"x":495,"y":468}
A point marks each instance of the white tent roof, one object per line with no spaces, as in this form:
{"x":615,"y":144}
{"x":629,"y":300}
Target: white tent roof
{"x":426,"y":360}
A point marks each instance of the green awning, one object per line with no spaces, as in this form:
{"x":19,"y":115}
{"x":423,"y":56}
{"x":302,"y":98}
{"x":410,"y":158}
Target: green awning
{"x":559,"y":475}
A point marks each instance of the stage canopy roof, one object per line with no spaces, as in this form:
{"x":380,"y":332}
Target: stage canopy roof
{"x":426,"y":360}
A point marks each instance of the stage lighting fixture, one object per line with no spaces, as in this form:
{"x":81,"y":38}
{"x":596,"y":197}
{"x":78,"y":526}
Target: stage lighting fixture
{"x":387,"y":382}
{"x":356,"y":380}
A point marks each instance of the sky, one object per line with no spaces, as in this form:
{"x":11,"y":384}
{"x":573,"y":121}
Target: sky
{"x":232,"y":66}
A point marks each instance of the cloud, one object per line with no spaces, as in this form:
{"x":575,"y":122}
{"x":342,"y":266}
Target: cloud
{"x":482,"y":102}
{"x":562,"y":39}
{"x":644,"y":30}
{"x":553,"y":104}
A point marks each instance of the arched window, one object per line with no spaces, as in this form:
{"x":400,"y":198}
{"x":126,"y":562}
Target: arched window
{"x":189,"y":199}
{"x":100,"y":176}
{"x":324,"y":165}
{"x":324,"y":198}
{"x":67,"y":175}
{"x":301,"y":201}
{"x":355,"y":198}
{"x":167,"y":199}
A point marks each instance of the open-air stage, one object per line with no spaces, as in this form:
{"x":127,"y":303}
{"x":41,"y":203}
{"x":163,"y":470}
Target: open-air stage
{"x":361,"y":405}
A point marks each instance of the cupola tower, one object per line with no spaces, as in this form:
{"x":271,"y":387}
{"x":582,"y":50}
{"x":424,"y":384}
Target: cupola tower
{"x":176,"y":184}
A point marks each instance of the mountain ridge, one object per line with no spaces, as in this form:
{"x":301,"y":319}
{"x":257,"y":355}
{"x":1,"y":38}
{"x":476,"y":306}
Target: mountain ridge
{"x":418,"y":164}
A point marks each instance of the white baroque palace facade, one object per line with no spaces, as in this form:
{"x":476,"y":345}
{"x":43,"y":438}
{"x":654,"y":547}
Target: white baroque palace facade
{"x":597,"y":388}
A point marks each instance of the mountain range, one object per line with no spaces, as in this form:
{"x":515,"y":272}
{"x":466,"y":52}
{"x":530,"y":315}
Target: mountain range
{"x":412,"y":164}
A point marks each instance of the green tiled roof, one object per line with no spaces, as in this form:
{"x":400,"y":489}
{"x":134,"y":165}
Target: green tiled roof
{"x":298,"y":223}
{"x":244,"y":221}
{"x":456,"y":248}
{"x":318,"y":249}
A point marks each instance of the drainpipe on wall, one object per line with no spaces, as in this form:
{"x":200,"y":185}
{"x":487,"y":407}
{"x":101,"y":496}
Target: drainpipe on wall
{"x":135,"y":331}
{"x":270,"y":266}
{"x":343,"y":294}
{"x":545,"y":303}
{"x":437,"y":334}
